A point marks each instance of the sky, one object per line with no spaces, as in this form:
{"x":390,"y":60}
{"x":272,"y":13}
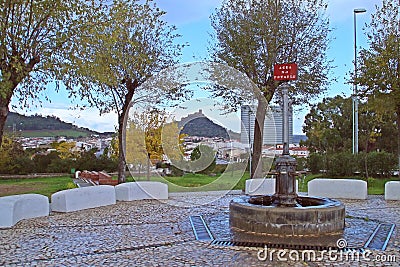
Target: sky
{"x":192,"y":18}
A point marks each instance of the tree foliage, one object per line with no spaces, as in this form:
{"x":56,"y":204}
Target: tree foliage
{"x":149,"y":136}
{"x":13,"y":159}
{"x":112,"y":59}
{"x":32,"y":38}
{"x":328,"y":127}
{"x":379,"y":65}
{"x":254,"y":35}
{"x":65,"y":149}
{"x":203,"y":158}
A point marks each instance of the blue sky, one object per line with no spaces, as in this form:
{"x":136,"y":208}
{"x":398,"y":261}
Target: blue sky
{"x":192,"y":20}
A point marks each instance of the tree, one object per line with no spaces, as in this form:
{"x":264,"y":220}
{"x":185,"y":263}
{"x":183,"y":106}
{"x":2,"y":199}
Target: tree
{"x":149,"y":137}
{"x":254,"y":35}
{"x":328,"y":125}
{"x":203,"y":158}
{"x":65,"y":149}
{"x":329,"y":130}
{"x":13,"y":158}
{"x":379,"y":65}
{"x":32,"y":35}
{"x":126,"y":46}
{"x":136,"y":154}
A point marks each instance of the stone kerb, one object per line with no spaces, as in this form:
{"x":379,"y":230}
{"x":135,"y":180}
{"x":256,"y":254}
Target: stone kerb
{"x":83,"y":198}
{"x":141,"y":190}
{"x":392,"y":190}
{"x":18,"y":207}
{"x":338,"y":188}
{"x":260,"y":186}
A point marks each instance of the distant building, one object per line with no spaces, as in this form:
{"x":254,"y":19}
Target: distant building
{"x":190,"y":117}
{"x":294,"y":150}
{"x":273,"y":131}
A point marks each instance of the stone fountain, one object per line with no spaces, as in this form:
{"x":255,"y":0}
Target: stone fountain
{"x":286,"y":218}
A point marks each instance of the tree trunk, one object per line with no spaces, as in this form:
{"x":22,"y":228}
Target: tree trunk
{"x":17,"y":75}
{"x":366,"y":159}
{"x":256,"y":167}
{"x":148,"y":167}
{"x":4,"y":103}
{"x":130,"y":86}
{"x":3,"y":118}
{"x":398,"y":137}
{"x":121,"y":149}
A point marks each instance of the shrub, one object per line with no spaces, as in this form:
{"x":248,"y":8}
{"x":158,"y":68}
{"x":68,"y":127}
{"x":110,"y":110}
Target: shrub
{"x":342,"y":164}
{"x":380,"y":163}
{"x":316,"y":163}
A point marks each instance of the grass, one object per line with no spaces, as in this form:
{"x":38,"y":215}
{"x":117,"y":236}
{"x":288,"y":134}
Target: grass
{"x":187,"y":183}
{"x":201,"y":182}
{"x":44,"y":186}
{"x":376,"y":186}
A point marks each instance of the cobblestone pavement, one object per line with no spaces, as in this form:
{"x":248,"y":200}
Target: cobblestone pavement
{"x":152,"y":233}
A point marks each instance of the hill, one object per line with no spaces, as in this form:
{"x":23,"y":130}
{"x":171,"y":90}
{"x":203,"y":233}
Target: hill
{"x":204,"y":127}
{"x":298,"y":137}
{"x":40,"y":126}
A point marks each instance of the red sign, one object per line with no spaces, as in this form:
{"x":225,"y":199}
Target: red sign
{"x":285,"y":72}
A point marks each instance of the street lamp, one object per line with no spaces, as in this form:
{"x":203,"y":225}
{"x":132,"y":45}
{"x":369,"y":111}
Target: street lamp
{"x":355,"y":92}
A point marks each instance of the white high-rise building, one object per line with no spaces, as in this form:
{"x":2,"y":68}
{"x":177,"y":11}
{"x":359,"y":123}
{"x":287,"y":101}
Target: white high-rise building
{"x":273,"y":131}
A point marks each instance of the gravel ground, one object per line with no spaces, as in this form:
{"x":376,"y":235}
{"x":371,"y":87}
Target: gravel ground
{"x":153,"y":233}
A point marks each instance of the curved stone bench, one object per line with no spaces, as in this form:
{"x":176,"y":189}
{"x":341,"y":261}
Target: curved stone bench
{"x":257,"y":187}
{"x":392,"y":190}
{"x":19,"y":207}
{"x":141,"y":190}
{"x":83,"y":198}
{"x":338,"y":188}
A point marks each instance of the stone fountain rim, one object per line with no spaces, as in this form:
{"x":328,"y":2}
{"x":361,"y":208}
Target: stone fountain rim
{"x":327,"y":203}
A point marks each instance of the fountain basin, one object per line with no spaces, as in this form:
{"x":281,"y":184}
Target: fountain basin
{"x":319,"y":219}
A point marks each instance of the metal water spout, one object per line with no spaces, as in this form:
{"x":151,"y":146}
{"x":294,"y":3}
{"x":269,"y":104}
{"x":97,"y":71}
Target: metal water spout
{"x":285,"y":185}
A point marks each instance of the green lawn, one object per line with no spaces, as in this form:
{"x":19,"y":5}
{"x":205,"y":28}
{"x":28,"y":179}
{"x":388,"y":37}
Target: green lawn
{"x":376,"y":186}
{"x":187,"y":183}
{"x":45,"y":186}
{"x":201,"y":182}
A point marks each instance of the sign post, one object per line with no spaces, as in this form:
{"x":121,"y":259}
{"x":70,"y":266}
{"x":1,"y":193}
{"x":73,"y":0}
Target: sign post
{"x":285,"y":185}
{"x":285,"y":72}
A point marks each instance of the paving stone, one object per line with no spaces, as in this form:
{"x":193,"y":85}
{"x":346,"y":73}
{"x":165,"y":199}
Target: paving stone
{"x":153,"y":233}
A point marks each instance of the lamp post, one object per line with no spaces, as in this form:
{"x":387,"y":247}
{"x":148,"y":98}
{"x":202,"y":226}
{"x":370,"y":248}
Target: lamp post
{"x":355,"y":92}
{"x":250,"y":143}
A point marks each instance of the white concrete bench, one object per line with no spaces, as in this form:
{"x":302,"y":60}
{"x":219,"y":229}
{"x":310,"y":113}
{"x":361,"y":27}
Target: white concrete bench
{"x":392,"y":190}
{"x":19,"y":207}
{"x":338,"y":188}
{"x":255,"y":187}
{"x":83,"y":198}
{"x":141,"y":190}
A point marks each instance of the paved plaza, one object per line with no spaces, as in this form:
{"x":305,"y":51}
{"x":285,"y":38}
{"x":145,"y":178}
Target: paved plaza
{"x":153,"y":233}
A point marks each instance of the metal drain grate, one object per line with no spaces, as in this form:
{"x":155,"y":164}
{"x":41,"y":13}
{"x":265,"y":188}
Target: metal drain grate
{"x":230,"y":243}
{"x":200,"y":228}
{"x":380,"y":237}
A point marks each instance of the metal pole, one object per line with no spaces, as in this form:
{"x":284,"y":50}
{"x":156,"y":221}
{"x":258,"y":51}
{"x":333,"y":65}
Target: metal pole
{"x":285,"y":120}
{"x":355,"y":100}
{"x":285,"y":184}
{"x":251,"y":154}
{"x":355,"y":91}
